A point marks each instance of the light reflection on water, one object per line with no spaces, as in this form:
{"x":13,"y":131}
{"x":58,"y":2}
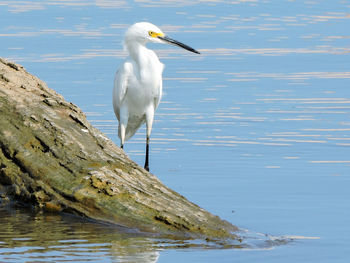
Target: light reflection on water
{"x":256,"y":129}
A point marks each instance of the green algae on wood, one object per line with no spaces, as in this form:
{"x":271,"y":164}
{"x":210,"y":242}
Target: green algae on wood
{"x":51,"y":157}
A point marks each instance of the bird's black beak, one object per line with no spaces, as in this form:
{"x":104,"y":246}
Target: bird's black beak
{"x":177,"y":43}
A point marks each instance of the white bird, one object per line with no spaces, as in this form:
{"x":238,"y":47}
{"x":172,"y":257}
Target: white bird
{"x":138,"y":82}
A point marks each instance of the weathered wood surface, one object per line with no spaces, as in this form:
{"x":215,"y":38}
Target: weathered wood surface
{"x":53,"y":158}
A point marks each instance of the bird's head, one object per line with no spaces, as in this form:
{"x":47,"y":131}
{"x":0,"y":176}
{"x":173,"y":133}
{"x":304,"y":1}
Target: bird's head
{"x":144,"y":32}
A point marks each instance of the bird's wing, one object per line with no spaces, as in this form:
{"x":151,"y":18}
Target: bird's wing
{"x":158,"y":98}
{"x":121,"y":82}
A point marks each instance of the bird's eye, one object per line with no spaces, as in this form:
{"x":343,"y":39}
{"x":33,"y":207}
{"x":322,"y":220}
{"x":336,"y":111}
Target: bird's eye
{"x":152,"y":34}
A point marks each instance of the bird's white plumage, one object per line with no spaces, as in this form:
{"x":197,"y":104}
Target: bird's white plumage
{"x":138,"y":82}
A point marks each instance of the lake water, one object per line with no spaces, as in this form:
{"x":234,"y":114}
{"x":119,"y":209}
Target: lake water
{"x":256,"y":129}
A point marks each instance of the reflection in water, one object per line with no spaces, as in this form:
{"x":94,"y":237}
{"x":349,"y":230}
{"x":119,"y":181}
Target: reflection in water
{"x":36,"y":236}
{"x":30,"y":236}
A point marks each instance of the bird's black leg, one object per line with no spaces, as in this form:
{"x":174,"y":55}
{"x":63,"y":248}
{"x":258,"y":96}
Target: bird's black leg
{"x":122,"y":146}
{"x":147,"y":154}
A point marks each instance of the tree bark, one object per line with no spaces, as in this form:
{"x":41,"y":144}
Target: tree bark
{"x":53,"y":158}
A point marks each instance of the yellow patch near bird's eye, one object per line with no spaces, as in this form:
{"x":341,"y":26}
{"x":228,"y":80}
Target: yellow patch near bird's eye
{"x":155,"y":34}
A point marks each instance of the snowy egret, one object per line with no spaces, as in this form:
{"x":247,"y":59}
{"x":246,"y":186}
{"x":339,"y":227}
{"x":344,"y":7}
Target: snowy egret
{"x":138,"y":82}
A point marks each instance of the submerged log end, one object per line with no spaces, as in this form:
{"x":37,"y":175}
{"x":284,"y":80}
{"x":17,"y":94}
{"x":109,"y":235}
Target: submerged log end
{"x":53,"y":158}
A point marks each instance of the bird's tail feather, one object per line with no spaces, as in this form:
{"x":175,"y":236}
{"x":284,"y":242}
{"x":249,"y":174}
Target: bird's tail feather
{"x":131,"y":128}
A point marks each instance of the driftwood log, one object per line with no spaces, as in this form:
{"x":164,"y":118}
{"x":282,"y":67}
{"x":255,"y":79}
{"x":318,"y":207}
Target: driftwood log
{"x":51,"y":157}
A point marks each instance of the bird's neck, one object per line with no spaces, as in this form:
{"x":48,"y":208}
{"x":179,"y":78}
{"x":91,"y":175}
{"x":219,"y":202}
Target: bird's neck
{"x":136,"y":50}
{"x":145,"y":59}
